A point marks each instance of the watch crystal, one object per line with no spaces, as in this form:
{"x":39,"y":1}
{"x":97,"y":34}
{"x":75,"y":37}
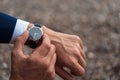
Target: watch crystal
{"x":35,"y":33}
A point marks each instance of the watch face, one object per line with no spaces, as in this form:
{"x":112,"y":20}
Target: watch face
{"x":35,"y":33}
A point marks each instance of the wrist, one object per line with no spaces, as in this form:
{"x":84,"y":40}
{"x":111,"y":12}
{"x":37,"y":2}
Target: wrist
{"x":54,"y":36}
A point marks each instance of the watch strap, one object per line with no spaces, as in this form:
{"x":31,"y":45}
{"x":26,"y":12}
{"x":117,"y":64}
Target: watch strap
{"x":38,"y":25}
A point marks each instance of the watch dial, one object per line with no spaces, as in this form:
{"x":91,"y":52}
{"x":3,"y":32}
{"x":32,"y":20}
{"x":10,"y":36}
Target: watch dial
{"x":35,"y":33}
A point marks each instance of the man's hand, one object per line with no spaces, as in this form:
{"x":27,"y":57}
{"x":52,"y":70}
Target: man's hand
{"x":70,"y":54}
{"x":39,"y":65}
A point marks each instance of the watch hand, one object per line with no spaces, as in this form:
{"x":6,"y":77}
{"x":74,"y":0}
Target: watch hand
{"x":34,"y":36}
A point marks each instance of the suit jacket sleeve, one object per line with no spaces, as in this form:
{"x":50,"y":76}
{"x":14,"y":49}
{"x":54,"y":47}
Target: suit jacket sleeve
{"x":7,"y":26}
{"x":11,"y":28}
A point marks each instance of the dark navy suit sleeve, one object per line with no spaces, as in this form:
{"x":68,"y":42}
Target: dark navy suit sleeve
{"x":7,"y":25}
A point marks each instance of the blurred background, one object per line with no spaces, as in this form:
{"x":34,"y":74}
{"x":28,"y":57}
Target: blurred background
{"x":97,"y":22}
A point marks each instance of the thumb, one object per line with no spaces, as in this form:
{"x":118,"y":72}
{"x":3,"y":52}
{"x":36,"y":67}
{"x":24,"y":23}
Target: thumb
{"x":20,"y":41}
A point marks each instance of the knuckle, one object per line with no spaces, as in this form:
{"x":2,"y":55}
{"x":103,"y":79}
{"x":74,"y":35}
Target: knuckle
{"x":51,"y":73}
{"x":78,"y":56}
{"x":52,"y":47}
{"x":47,"y":46}
{"x":18,"y":39}
{"x":46,"y":64}
{"x":15,"y":51}
{"x":75,"y":50}
{"x":72,"y":62}
{"x":77,"y":37}
{"x":82,"y":72}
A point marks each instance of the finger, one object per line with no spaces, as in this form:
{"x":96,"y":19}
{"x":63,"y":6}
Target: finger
{"x":83,"y":53}
{"x":81,"y":43}
{"x":51,"y":57}
{"x":52,"y":64}
{"x":53,"y":61}
{"x":19,"y":43}
{"x":51,"y":53}
{"x":82,"y":61}
{"x":78,"y":54}
{"x":62,"y":73}
{"x":76,"y":68}
{"x":45,"y":44}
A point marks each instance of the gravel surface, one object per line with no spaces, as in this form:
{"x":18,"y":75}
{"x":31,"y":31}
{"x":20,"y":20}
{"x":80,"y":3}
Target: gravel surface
{"x":97,"y":22}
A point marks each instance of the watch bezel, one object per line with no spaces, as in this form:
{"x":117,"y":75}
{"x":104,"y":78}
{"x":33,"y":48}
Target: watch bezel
{"x":40,"y":28}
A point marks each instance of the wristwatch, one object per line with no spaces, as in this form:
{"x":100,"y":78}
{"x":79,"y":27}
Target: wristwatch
{"x":35,"y":35}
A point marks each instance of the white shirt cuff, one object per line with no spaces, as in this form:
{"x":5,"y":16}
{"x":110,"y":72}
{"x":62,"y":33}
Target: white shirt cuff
{"x":20,"y":28}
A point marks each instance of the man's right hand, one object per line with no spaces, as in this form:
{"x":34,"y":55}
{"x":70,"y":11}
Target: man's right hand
{"x":40,"y":65}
